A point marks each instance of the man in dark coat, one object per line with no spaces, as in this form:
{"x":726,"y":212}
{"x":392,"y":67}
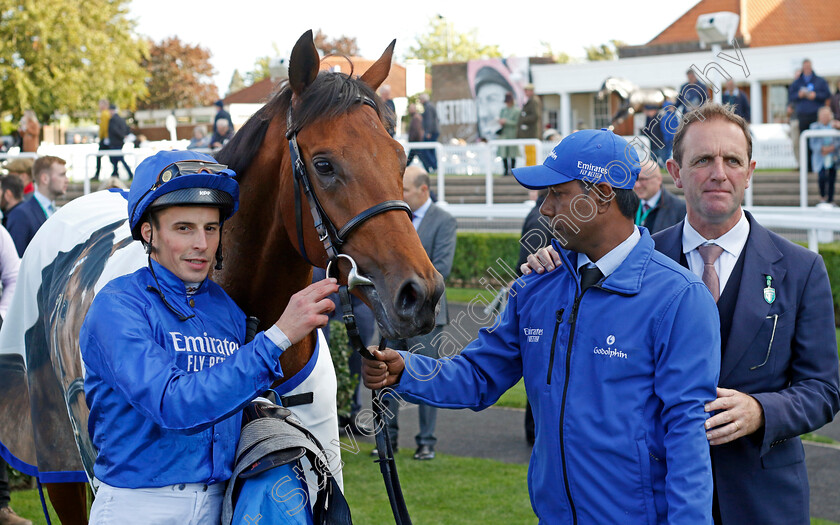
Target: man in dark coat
{"x":808,"y":93}
{"x":431,"y":131}
{"x":118,"y":130}
{"x":658,"y":208}
{"x":779,"y":367}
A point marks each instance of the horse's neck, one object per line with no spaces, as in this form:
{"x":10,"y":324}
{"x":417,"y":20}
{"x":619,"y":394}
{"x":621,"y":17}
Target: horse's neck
{"x":262,"y":269}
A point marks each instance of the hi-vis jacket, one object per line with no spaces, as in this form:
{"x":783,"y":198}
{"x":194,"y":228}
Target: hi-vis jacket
{"x":617,"y":378}
{"x":163,"y":409}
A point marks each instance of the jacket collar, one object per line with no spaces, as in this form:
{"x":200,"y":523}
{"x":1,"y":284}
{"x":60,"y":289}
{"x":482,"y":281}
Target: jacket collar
{"x":171,"y":284}
{"x":627,"y":277}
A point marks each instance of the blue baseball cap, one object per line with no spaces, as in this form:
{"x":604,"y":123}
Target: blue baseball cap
{"x":591,"y":155}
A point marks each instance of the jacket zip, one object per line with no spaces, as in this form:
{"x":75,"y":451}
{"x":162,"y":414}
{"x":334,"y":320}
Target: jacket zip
{"x":559,"y":319}
{"x":572,"y":322}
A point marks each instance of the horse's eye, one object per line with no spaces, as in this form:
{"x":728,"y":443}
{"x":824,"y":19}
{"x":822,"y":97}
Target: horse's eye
{"x":323,"y":167}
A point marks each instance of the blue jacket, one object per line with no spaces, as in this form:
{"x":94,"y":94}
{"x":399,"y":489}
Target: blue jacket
{"x":617,"y":378}
{"x":818,"y":160}
{"x":165,"y":395}
{"x":23,"y":222}
{"x":806,"y":106}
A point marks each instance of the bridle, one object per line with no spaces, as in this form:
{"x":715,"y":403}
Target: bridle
{"x":333,"y":238}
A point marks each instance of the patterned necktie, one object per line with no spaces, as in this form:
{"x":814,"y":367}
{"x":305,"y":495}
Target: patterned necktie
{"x":589,"y":276}
{"x":710,"y":253}
{"x":645,"y":207}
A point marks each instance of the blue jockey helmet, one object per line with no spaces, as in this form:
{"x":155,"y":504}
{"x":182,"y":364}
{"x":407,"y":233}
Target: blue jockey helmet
{"x":180,"y":178}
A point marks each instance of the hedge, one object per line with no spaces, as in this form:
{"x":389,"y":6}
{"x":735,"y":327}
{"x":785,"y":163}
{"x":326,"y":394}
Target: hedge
{"x":477,"y":265}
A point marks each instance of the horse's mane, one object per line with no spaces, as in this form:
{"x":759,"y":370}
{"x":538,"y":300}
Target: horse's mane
{"x":329,"y":96}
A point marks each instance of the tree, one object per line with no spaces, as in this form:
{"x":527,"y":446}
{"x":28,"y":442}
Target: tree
{"x":558,"y":58}
{"x":64,"y":55}
{"x":236,"y":82}
{"x":604,"y":51}
{"x":443,"y":44}
{"x":179,"y":75}
{"x":343,"y":45}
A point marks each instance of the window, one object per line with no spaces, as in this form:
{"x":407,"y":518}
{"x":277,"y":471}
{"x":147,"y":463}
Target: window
{"x":601,"y":111}
{"x":777,"y":101}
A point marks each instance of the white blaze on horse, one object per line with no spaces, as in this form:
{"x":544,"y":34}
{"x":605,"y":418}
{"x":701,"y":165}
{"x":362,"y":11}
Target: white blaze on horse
{"x":355,"y":175}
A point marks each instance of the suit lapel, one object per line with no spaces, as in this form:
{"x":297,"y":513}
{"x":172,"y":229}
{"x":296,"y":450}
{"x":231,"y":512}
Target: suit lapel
{"x":669,"y":241}
{"x":751,"y":309}
{"x":425,"y":224}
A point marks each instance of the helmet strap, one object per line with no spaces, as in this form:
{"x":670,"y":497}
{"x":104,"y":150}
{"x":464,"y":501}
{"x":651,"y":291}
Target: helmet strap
{"x":219,"y":257}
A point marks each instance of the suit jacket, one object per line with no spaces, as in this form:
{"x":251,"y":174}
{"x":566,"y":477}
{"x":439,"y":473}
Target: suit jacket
{"x":783,"y":351}
{"x":23,"y":221}
{"x":438,"y":237}
{"x":669,"y":210}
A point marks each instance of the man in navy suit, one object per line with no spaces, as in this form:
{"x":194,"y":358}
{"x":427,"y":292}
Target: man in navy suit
{"x":779,"y":367}
{"x":22,"y":221}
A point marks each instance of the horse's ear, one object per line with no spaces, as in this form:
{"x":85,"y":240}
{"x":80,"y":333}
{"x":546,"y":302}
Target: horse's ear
{"x":378,"y":72}
{"x":303,"y":64}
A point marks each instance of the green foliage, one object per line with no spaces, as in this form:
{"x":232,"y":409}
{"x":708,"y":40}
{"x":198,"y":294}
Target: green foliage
{"x":476,"y":253}
{"x":19,"y":480}
{"x":236,"y":82}
{"x":831,"y":256}
{"x":340,"y":351}
{"x":64,"y":55}
{"x":442,"y":43}
{"x":604,"y":51}
{"x":448,"y":490}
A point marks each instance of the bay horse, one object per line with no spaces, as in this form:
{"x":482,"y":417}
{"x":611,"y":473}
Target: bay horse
{"x":355,"y":165}
{"x":633,"y":98}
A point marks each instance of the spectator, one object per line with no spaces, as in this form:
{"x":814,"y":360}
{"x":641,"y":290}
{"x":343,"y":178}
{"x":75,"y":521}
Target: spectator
{"x":9,"y":264}
{"x":824,"y":153}
{"x":166,"y":440}
{"x":199,"y":139}
{"x":835,"y":102}
{"x":669,"y":123}
{"x":808,"y":93}
{"x":11,"y":194}
{"x":436,"y":229}
{"x":653,"y":131}
{"x":530,"y":121}
{"x":21,"y":167}
{"x":30,"y":132}
{"x":693,"y":93}
{"x":391,"y":113}
{"x":221,"y":114}
{"x":118,"y":130}
{"x":222,"y":134}
{"x":737,"y":99}
{"x":509,"y":120}
{"x":24,"y":219}
{"x":431,"y":131}
{"x":658,"y":208}
{"x":171,"y":125}
{"x":644,"y":332}
{"x":415,"y":134}
{"x":104,"y":118}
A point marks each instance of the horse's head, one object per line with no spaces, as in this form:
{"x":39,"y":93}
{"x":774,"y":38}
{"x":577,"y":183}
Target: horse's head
{"x":353,"y":164}
{"x":620,"y":86}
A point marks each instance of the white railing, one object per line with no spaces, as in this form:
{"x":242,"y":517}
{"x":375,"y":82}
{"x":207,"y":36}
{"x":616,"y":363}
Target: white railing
{"x":803,"y":159}
{"x":815,"y":221}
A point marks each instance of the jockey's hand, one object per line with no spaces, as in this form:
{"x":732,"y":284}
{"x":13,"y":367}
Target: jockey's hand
{"x":385,"y":370}
{"x":307,"y":310}
{"x":544,"y":260}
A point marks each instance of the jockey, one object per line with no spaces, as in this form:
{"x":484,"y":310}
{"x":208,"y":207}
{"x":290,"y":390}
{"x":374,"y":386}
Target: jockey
{"x":167,"y":367}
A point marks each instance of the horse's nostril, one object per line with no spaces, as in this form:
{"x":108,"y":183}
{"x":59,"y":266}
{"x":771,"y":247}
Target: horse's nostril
{"x":408,"y":298}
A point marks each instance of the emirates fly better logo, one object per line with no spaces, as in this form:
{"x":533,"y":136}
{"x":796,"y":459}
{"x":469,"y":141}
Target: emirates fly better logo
{"x":610,"y":351}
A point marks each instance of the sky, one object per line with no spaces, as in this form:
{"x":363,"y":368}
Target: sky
{"x":237,"y":32}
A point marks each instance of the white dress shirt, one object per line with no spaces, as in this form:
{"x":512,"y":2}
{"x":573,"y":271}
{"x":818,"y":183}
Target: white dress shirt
{"x":420,"y":213}
{"x":47,"y":205}
{"x":732,"y":243}
{"x":613,"y":259}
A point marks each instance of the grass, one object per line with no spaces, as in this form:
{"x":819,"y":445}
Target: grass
{"x":515,"y":397}
{"x":27,"y":504}
{"x":817,"y":438}
{"x":465,"y":295}
{"x":448,"y":490}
